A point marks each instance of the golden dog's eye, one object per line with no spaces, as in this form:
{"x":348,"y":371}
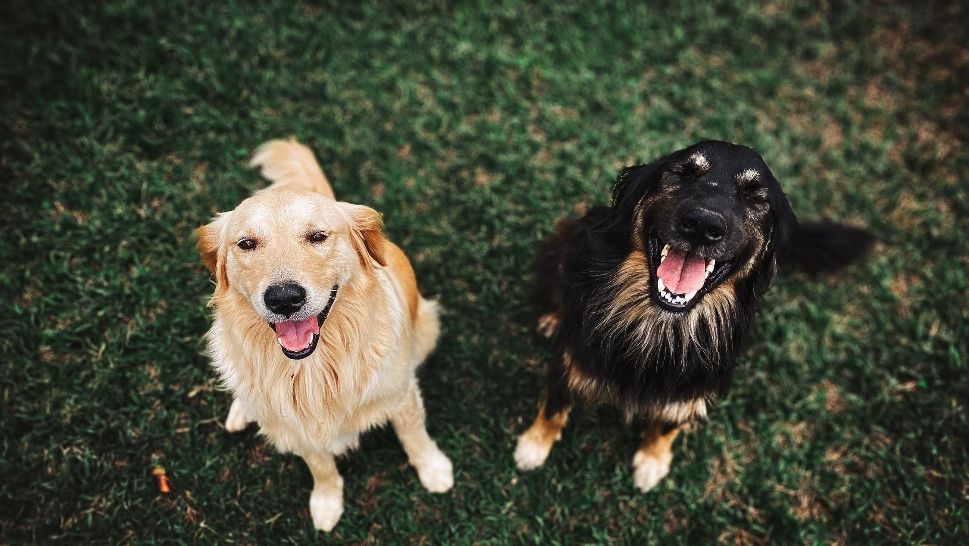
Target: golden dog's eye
{"x":246,"y":244}
{"x":316,"y":237}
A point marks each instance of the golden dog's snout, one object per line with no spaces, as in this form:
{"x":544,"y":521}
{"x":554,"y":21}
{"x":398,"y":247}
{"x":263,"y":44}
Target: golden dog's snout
{"x":285,"y":298}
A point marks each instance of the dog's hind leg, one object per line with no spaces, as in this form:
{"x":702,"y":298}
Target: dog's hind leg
{"x":326,"y":501}
{"x":433,"y":467}
{"x":427,"y":328}
{"x":238,"y":419}
{"x":536,"y":443}
{"x":652,"y":460}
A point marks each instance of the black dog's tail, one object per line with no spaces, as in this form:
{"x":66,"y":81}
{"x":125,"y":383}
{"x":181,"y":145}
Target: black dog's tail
{"x":823,"y":246}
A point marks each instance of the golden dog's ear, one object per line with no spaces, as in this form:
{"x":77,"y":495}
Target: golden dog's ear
{"x":368,"y":234}
{"x":211,"y":246}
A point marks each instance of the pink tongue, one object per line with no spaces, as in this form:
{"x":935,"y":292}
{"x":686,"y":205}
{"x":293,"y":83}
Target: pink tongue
{"x":682,"y":273}
{"x":296,"y":335}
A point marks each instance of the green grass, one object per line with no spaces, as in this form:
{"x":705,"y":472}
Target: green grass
{"x":124,"y":125}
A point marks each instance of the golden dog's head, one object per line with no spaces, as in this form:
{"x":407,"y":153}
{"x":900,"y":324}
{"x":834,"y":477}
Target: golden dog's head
{"x":286,"y":254}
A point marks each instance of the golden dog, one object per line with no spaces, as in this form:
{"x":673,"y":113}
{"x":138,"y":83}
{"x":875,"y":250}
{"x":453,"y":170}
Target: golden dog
{"x":318,"y":327}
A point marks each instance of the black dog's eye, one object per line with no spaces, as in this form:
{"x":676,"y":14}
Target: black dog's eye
{"x":750,"y":185}
{"x":246,"y":244}
{"x":755,"y":192}
{"x":316,"y":237}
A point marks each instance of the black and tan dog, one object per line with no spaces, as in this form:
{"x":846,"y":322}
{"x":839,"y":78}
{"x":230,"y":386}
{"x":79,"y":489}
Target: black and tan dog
{"x":649,"y":299}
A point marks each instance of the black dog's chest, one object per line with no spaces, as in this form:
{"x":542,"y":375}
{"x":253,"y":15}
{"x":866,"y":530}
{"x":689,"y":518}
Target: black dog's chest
{"x":647,"y":382}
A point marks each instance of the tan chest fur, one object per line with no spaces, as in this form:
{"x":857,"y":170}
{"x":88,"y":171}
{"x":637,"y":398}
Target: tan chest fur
{"x":353,"y":382}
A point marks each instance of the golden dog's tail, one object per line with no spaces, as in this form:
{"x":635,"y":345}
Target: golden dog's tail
{"x":427,"y":328}
{"x":289,"y":164}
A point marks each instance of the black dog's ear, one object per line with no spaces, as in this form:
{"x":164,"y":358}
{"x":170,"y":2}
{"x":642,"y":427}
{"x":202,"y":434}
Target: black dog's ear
{"x":785,"y":222}
{"x":635,"y":182}
{"x":779,"y":236}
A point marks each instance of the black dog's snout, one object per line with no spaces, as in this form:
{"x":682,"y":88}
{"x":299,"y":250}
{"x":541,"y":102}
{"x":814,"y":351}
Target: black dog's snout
{"x":702,"y":226}
{"x":285,"y":298}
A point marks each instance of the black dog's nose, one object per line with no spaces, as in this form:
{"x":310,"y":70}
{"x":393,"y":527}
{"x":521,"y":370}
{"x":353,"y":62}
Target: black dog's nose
{"x":284,"y":298}
{"x":702,"y":226}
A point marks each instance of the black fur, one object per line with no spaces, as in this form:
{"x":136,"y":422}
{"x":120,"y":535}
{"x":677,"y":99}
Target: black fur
{"x":584,"y":257}
{"x":823,"y":246}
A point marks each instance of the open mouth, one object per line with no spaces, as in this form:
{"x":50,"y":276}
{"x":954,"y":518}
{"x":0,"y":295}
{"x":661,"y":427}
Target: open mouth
{"x":298,"y":338}
{"x":684,"y":276}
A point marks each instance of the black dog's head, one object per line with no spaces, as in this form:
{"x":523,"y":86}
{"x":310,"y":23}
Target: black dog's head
{"x":709,"y":215}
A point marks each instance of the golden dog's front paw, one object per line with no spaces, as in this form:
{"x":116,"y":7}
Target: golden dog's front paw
{"x":436,"y":472}
{"x":326,"y":510}
{"x":649,"y":469}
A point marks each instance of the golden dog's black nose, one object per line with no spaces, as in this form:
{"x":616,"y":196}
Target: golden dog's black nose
{"x":285,"y":298}
{"x":702,"y":226}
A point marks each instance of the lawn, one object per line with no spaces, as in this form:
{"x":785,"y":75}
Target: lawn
{"x":472,"y":127}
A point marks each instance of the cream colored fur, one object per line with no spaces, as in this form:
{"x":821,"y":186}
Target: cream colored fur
{"x":362,"y":373}
{"x":289,"y":164}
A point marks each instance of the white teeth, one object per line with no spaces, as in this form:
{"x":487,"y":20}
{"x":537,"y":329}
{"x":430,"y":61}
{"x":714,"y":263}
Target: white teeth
{"x":711,"y":263}
{"x":664,"y":252}
{"x":676,"y":299}
{"x":280,"y":341}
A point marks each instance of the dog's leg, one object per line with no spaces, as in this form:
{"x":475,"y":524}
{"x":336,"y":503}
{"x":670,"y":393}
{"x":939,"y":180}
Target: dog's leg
{"x":548,"y":324}
{"x":652,"y":460}
{"x":536,"y":442}
{"x":238,"y":418}
{"x":326,"y":501}
{"x":433,"y":467}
